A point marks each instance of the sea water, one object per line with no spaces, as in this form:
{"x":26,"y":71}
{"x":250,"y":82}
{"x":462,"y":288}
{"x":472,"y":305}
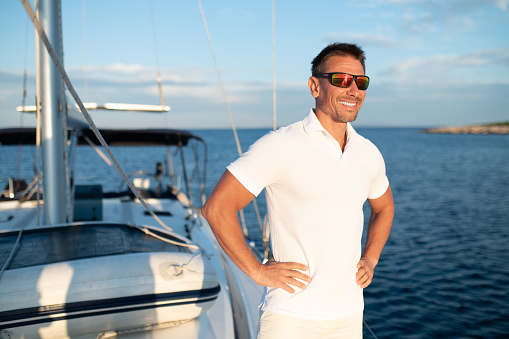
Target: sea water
{"x":444,"y":272}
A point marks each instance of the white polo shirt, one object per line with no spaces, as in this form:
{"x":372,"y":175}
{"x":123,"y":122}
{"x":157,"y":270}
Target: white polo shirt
{"x":315,"y":194}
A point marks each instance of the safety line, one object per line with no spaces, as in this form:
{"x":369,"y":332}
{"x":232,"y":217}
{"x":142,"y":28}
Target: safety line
{"x":372,"y":333}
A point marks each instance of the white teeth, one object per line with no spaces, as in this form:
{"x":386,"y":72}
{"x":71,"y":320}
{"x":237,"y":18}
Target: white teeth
{"x":351,"y":104}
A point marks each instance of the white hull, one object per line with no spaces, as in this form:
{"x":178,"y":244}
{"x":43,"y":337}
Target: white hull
{"x":101,"y":294}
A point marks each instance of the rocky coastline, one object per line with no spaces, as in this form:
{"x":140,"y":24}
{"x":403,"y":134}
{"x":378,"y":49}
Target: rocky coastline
{"x":502,"y":128}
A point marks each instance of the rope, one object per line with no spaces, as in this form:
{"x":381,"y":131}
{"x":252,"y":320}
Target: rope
{"x":21,"y":224}
{"x":370,"y":331}
{"x":11,"y":255}
{"x":148,"y":232}
{"x":83,"y":110}
{"x":179,"y":269}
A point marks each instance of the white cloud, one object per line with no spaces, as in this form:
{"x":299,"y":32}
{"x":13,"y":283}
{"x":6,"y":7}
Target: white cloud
{"x":135,"y":73}
{"x":431,"y":16}
{"x":502,"y":4}
{"x":367,"y":40}
{"x":421,"y":23}
{"x":422,"y":68}
{"x":112,"y":82}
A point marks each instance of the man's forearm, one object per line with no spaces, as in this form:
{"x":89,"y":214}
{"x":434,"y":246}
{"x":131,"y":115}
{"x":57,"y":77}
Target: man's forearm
{"x":379,"y":228}
{"x":229,"y":235}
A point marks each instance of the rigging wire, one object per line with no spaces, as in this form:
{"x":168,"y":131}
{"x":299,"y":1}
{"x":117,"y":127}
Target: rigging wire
{"x":156,"y":50}
{"x":98,"y":150}
{"x":67,"y":81}
{"x":220,"y":78}
{"x":85,"y":66}
{"x":38,"y":129}
{"x":274,"y":113}
{"x":24,"y":93}
{"x":69,"y":184}
{"x":239,"y":149}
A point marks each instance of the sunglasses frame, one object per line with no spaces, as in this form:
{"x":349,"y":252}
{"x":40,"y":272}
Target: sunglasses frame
{"x":330,"y":75}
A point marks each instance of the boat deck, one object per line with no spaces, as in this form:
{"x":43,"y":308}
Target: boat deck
{"x":56,"y":244}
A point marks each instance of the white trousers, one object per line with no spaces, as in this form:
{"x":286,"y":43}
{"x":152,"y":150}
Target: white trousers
{"x":278,"y":326}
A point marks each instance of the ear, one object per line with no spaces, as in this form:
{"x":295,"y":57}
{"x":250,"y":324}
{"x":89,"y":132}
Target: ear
{"x":314,"y":86}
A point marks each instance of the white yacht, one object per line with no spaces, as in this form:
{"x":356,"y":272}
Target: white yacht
{"x":78,"y":261}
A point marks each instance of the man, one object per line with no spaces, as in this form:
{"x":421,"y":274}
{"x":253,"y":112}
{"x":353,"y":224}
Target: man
{"x":317,"y":174}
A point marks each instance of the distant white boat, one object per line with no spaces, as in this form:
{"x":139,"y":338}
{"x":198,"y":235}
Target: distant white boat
{"x":110,"y":268}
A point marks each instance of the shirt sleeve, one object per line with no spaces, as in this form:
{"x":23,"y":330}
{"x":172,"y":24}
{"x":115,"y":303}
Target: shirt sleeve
{"x":380,"y":182}
{"x":263,"y":163}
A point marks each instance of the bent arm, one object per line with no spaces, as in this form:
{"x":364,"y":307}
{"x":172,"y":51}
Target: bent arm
{"x":228,"y":197}
{"x":379,"y":228}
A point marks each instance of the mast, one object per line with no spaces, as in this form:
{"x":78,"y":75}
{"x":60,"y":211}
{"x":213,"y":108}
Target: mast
{"x":52,"y":116}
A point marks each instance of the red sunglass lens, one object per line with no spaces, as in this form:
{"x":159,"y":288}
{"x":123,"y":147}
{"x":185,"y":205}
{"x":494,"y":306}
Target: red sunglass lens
{"x":342,"y":80}
{"x":362,"y":83}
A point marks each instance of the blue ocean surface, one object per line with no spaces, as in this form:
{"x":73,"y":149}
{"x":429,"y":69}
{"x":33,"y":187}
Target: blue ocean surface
{"x":444,"y":272}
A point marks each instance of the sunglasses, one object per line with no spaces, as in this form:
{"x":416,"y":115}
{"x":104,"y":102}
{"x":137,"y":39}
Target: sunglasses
{"x":344,"y":80}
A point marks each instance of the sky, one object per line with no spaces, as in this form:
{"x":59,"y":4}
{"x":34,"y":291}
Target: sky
{"x":431,"y":62}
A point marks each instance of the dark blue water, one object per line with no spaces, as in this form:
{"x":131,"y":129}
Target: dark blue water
{"x":444,"y":272}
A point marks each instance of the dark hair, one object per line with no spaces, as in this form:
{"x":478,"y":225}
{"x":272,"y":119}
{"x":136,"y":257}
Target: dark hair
{"x":337,"y":49}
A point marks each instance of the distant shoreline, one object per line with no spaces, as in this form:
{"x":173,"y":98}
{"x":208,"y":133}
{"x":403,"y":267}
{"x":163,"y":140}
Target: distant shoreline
{"x":500,"y":128}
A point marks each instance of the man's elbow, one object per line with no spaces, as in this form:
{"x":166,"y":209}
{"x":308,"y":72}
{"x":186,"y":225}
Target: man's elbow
{"x":211,"y":211}
{"x":206,"y":211}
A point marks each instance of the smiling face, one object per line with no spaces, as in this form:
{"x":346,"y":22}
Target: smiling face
{"x":340,"y":105}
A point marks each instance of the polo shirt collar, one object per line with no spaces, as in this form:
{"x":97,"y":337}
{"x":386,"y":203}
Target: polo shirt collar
{"x":312,"y":124}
